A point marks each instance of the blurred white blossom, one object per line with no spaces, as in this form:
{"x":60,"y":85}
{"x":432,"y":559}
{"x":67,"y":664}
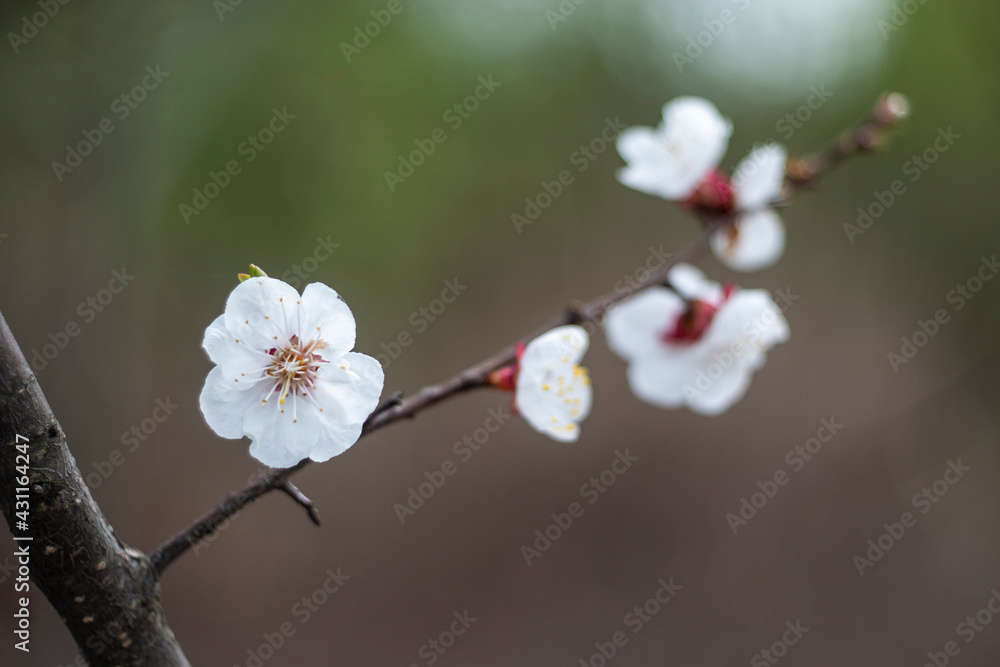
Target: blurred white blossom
{"x":678,"y":160}
{"x":697,"y":347}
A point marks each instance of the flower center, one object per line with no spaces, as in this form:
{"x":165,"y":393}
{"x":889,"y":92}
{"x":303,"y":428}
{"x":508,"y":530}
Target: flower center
{"x":714,"y":195}
{"x":295,"y":367}
{"x":694,"y":322}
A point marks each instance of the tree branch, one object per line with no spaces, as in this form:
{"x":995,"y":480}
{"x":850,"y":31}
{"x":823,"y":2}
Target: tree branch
{"x":867,"y":135}
{"x":102,"y":589}
{"x":300,"y":498}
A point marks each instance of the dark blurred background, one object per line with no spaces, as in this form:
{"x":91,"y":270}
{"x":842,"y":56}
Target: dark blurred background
{"x":563,"y":68}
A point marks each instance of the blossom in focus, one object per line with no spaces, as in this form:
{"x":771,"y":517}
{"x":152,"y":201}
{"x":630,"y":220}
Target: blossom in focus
{"x":678,"y":160}
{"x":285,"y":375}
{"x":697,"y":347}
{"x":551,"y":390}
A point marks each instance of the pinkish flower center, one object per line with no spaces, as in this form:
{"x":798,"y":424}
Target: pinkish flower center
{"x":694,"y":322}
{"x":295,"y":367}
{"x":714,"y":195}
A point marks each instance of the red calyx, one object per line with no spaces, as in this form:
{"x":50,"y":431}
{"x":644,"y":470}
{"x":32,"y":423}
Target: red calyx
{"x":506,"y":378}
{"x":714,"y":195}
{"x":694,"y":322}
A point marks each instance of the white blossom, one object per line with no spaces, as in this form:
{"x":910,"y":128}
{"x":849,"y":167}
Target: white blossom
{"x":756,"y":240}
{"x":679,"y":159}
{"x":285,"y":375}
{"x":698,"y":348}
{"x":670,"y":160}
{"x":552,"y":391}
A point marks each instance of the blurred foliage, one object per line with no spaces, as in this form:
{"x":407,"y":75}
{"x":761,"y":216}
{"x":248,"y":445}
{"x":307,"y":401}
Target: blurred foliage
{"x":324,"y":177}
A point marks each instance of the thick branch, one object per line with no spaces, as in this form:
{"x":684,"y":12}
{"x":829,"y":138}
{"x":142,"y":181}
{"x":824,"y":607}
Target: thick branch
{"x":888,"y":110}
{"x":101,"y":588}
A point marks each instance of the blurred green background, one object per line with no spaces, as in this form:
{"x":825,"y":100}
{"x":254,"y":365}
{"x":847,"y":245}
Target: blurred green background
{"x":563,"y":69}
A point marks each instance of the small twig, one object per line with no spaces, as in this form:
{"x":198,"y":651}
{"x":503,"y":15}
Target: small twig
{"x":868,"y":135}
{"x":395,"y":399}
{"x":887,"y":112}
{"x":295,"y":494}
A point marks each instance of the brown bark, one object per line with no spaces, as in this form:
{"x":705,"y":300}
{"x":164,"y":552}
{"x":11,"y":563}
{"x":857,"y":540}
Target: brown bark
{"x":103,"y":589}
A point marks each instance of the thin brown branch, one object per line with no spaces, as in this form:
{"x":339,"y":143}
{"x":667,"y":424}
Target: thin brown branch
{"x":300,"y":498}
{"x":868,"y":135}
{"x":888,"y":110}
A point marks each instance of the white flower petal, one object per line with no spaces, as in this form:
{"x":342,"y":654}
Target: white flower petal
{"x":634,"y":327}
{"x":652,"y":167}
{"x":708,"y":375}
{"x":335,"y":439}
{"x":756,"y":241}
{"x":282,"y":435}
{"x":759,"y":177}
{"x":752,"y":317}
{"x":703,"y":133}
{"x":553,"y":394}
{"x":237,"y":361}
{"x":262,"y":312}
{"x":720,"y":393}
{"x":565,"y":344}
{"x":349,"y":388}
{"x":326,"y":314}
{"x":692,"y":284}
{"x":659,"y":380}
{"x":223,"y":406}
{"x":673,"y":159}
